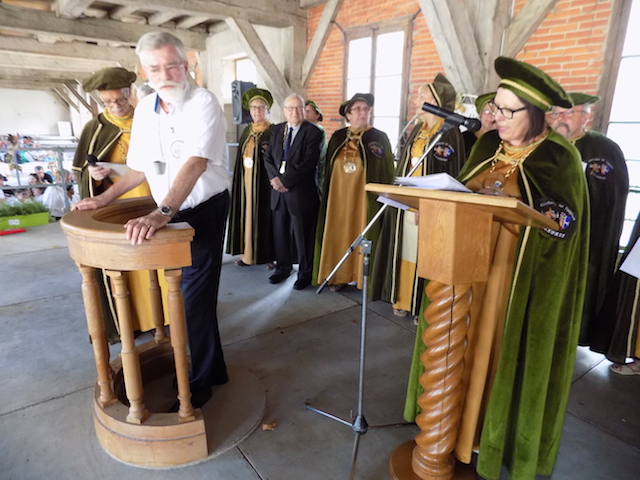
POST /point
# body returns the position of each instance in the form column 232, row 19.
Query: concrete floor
column 302, row 347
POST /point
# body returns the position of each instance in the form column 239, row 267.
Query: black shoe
column 301, row 284
column 279, row 276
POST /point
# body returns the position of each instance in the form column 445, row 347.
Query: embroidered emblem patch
column 442, row 151
column 264, row 146
column 376, row 149
column 562, row 215
column 599, row 168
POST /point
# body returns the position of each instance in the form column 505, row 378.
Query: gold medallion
column 414, row 161
column 494, row 184
column 350, row 167
column 248, row 162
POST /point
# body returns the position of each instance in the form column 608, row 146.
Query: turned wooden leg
column 130, row 361
column 447, row 317
column 157, row 313
column 95, row 326
column 179, row 343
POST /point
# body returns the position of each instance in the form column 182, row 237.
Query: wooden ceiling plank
column 70, row 8
column 159, row 18
column 40, row 62
column 89, row 29
column 122, row 11
column 191, row 21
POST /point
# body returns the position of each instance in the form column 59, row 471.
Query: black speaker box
column 240, row 115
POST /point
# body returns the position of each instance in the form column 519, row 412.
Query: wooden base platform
column 162, row 440
column 400, row 466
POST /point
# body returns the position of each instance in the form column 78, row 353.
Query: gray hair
column 155, row 40
column 295, row 95
column 126, row 91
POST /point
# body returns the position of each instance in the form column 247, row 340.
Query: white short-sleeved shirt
column 194, row 128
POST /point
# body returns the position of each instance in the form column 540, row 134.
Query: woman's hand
column 98, row 173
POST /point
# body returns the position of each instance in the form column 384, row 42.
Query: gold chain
column 515, row 155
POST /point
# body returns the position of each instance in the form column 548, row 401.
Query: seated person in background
column 3, row 195
column 20, row 196
column 42, row 176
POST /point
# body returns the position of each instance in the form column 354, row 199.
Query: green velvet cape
column 261, row 193
column 523, row 423
column 608, row 182
column 377, row 159
column 448, row 155
column 98, row 138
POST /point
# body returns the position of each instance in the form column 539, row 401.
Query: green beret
column 315, row 107
column 443, row 92
column 110, row 78
column 531, row 84
column 583, row 98
column 364, row 97
column 483, row 99
column 260, row 94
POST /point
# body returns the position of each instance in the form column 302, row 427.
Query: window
column 376, row 64
column 624, row 122
column 246, row 71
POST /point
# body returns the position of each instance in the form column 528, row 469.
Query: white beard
column 171, row 95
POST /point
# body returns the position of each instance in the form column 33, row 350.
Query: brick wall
column 568, row 45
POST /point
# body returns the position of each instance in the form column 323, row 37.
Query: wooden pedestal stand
column 453, row 252
column 131, row 433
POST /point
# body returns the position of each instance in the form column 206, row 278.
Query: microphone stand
column 359, row 424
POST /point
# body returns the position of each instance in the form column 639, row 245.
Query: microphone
column 471, row 124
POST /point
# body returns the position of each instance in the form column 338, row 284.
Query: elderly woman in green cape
column 395, row 271
column 250, row 216
column 525, row 320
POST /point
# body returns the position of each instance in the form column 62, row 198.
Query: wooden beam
column 60, row 92
column 320, row 36
column 41, row 62
column 311, row 3
column 70, row 8
column 120, row 55
column 159, row 18
column 276, row 13
column 121, row 11
column 489, row 19
column 191, row 21
column 258, row 53
column 26, row 85
column 17, row 19
column 616, row 33
column 526, row 22
column 30, row 74
column 453, row 35
column 56, row 96
column 73, row 88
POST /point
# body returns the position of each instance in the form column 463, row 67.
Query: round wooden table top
column 97, row 238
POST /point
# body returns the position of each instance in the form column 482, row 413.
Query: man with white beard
column 178, row 146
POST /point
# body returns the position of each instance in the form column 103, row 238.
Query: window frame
column 373, row 30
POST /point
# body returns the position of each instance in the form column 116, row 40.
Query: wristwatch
column 165, row 210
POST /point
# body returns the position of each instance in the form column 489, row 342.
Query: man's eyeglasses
column 172, row 67
column 505, row 112
column 291, row 109
column 122, row 101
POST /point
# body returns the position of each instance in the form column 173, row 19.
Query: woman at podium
column 525, row 320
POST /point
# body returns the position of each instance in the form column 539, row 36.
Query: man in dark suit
column 291, row 161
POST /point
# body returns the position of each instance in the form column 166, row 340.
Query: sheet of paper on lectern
column 392, row 203
column 436, row 181
column 118, row 168
column 631, row 264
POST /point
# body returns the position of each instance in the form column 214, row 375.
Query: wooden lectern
column 125, row 428
column 454, row 240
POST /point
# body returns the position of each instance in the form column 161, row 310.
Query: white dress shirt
column 193, row 128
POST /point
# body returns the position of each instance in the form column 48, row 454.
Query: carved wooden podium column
column 131, row 432
column 454, row 242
